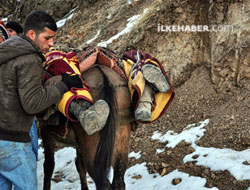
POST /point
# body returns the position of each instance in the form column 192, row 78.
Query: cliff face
column 138, row 24
column 18, row 9
column 229, row 52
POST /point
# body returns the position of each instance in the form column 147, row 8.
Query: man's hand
column 72, row 81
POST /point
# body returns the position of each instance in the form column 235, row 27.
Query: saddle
column 102, row 56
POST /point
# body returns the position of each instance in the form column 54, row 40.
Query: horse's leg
column 49, row 163
column 105, row 185
column 120, row 158
column 81, row 170
column 97, row 150
column 87, row 146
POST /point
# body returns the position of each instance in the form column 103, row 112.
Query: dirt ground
column 197, row 100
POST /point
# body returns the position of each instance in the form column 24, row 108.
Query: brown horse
column 98, row 152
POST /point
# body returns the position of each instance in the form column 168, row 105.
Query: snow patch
column 158, row 151
column 137, row 177
column 61, row 22
column 222, row 159
column 131, row 22
column 93, row 39
column 190, row 134
column 135, row 155
column 214, row 158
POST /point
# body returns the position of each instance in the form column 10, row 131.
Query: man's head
column 40, row 27
column 3, row 32
column 14, row 28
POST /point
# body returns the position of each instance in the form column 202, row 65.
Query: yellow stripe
column 161, row 100
column 74, row 59
column 84, row 93
column 66, row 96
column 154, row 62
column 63, row 102
column 49, row 62
column 127, row 66
column 73, row 66
column 53, row 51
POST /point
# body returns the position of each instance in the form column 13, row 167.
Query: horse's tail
column 105, row 147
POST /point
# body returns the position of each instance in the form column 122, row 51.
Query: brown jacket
column 22, row 94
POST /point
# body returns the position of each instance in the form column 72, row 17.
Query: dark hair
column 14, row 26
column 37, row 21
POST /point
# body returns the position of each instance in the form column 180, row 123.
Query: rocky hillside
column 210, row 70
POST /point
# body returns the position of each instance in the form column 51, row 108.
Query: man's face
column 45, row 40
column 11, row 32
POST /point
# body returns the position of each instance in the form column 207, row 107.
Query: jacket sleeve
column 33, row 95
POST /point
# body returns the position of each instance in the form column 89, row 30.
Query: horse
column 97, row 153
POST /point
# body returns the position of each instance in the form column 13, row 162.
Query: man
column 22, row 95
column 14, row 28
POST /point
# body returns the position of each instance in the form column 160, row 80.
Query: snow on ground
column 214, row 158
column 148, row 181
column 61, row 22
column 135, row 155
column 222, row 159
column 131, row 22
column 93, row 39
column 137, row 176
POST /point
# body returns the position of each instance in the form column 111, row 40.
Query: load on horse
column 132, row 93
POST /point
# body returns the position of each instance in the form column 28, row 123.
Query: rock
column 136, row 3
column 213, row 176
column 164, row 165
column 164, row 172
column 207, row 171
column 246, row 163
column 137, row 177
column 182, row 144
column 195, row 156
column 245, row 141
column 176, row 181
